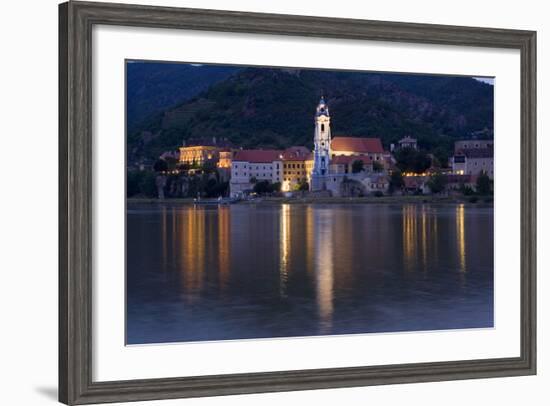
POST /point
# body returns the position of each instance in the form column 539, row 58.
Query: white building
column 258, row 164
column 473, row 157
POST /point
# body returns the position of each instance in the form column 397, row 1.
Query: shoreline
column 481, row 200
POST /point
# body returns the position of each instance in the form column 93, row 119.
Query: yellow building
column 297, row 167
column 225, row 158
column 200, row 151
column 199, row 154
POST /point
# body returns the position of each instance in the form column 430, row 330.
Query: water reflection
column 420, row 237
column 197, row 273
column 224, row 245
column 324, row 268
column 409, row 237
column 284, row 248
column 192, row 250
column 461, row 237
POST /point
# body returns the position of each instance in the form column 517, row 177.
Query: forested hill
column 155, row 86
column 273, row 108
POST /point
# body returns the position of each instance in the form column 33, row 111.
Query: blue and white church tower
column 321, row 151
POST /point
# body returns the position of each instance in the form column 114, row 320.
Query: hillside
column 153, row 87
column 273, row 108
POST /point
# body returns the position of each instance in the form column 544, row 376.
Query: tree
column 148, row 185
column 171, row 163
column 303, row 185
column 377, row 166
column 262, row 187
column 357, row 166
column 276, row 187
column 441, row 154
column 396, row 181
column 483, row 184
column 160, row 165
column 412, row 160
column 437, row 182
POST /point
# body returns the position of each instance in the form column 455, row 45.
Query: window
column 322, row 127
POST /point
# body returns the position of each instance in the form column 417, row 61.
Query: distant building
column 472, row 157
column 328, row 168
column 258, row 164
column 408, row 142
column 358, row 146
column 297, row 167
column 204, row 150
column 344, row 163
column 170, row 155
column 333, row 160
column 225, row 159
column 473, row 144
column 455, row 182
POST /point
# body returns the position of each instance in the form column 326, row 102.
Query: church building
column 333, row 156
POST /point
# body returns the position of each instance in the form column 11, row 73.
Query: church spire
column 322, row 108
column 321, row 142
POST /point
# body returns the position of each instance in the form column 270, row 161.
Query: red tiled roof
column 296, row 154
column 413, row 181
column 257, row 155
column 348, row 159
column 356, row 144
column 477, row 152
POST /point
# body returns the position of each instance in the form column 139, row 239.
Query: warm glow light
column 193, row 250
column 460, row 237
column 409, row 236
column 324, row 270
column 284, row 245
column 224, row 245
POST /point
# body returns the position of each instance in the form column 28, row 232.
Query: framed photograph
column 257, row 202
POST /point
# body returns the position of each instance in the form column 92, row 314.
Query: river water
column 260, row 271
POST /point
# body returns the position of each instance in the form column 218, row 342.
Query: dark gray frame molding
column 75, row 191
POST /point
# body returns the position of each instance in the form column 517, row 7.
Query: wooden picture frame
column 76, row 20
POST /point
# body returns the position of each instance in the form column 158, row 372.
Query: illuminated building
column 333, row 159
column 297, row 166
column 201, row 151
column 472, row 157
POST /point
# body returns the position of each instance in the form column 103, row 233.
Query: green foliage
column 412, row 160
column 160, row 165
column 171, row 163
column 483, row 184
column 262, row 187
column 378, row 193
column 437, row 183
column 357, row 166
column 141, row 183
column 396, row 181
column 377, row 166
column 247, row 107
column 441, row 154
column 303, row 186
column 466, row 190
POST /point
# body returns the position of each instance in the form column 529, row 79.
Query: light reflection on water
column 229, row 272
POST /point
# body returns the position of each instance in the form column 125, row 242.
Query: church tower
column 321, row 141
